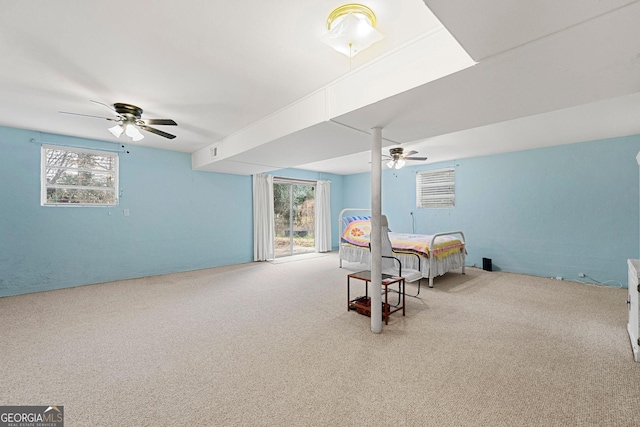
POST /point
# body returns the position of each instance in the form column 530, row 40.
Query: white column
column 376, row 212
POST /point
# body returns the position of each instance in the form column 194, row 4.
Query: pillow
column 357, row 233
column 348, row 219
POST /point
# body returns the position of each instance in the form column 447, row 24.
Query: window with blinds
column 436, row 189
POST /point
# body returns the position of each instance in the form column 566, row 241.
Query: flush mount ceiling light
column 351, row 29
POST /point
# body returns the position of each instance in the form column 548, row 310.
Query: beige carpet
column 267, row 344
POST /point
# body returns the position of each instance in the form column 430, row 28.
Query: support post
column 376, row 241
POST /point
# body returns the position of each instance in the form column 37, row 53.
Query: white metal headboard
column 340, row 225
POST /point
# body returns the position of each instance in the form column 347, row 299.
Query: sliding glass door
column 294, row 217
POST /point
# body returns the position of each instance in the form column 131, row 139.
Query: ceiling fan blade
column 157, row 131
column 411, row 153
column 163, row 122
column 89, row 115
column 416, row 158
column 110, row 107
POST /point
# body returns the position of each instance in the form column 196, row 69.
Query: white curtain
column 263, row 222
column 323, row 216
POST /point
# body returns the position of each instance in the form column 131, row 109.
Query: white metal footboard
column 432, row 253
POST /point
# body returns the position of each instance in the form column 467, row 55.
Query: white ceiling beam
column 424, row 59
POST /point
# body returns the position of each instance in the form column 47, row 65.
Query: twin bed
column 437, row 253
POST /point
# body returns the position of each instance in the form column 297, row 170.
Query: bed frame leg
column 462, row 269
column 431, row 281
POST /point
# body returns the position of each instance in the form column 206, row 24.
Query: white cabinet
column 634, row 311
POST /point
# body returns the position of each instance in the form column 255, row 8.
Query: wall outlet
column 581, row 275
column 125, row 212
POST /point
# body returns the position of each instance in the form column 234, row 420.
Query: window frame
column 444, row 194
column 291, row 182
column 44, row 186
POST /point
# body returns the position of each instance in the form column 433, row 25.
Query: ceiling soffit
column 427, row 58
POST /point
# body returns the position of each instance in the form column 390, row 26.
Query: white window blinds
column 436, row 189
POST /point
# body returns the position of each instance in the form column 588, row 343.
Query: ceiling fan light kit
column 116, row 130
column 132, row 132
column 395, row 164
column 129, row 129
column 351, row 29
column 397, row 157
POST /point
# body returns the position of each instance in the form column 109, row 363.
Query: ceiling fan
column 129, row 121
column 397, row 157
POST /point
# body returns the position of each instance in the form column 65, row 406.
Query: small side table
column 387, row 280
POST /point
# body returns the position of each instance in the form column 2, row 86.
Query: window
column 436, row 189
column 78, row 177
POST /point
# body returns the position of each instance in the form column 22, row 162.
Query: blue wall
column 179, row 219
column 556, row 211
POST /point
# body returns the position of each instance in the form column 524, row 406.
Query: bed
column 436, row 253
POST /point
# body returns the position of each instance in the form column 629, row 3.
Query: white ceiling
column 547, row 73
